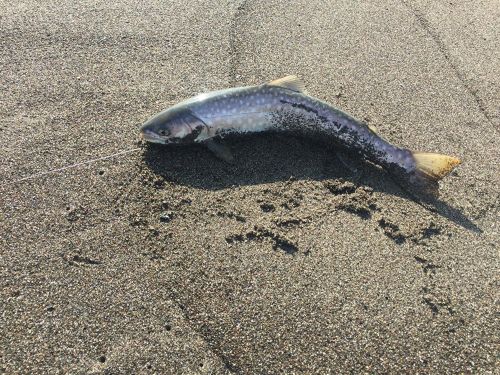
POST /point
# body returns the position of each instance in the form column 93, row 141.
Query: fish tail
column 429, row 169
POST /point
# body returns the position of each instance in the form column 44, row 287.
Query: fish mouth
column 152, row 137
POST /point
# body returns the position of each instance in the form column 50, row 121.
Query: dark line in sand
column 227, row 365
column 233, row 41
column 233, row 62
column 425, row 24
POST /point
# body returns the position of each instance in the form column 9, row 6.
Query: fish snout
column 150, row 135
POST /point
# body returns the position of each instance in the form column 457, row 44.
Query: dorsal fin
column 290, row 83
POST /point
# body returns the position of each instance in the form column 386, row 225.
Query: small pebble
column 166, row 217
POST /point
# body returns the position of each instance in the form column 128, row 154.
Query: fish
column 283, row 106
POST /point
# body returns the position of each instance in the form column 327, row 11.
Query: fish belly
column 240, row 123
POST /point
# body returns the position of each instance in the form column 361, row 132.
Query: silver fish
column 283, row 106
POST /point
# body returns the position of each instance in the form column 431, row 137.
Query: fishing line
column 57, row 170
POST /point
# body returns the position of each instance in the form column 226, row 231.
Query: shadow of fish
column 283, row 106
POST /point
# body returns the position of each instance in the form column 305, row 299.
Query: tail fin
column 435, row 166
column 430, row 168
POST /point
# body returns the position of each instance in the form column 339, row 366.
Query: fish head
column 175, row 125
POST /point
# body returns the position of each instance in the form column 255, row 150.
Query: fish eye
column 164, row 132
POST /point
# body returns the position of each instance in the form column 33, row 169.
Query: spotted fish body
column 282, row 106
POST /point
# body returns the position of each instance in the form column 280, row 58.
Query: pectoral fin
column 221, row 151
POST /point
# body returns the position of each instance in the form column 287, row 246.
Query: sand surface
column 171, row 261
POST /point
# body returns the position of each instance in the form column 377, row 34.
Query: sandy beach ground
column 170, row 261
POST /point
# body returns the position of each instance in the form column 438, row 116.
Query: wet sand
column 171, row 261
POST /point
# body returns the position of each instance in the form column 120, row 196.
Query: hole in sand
column 266, row 207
